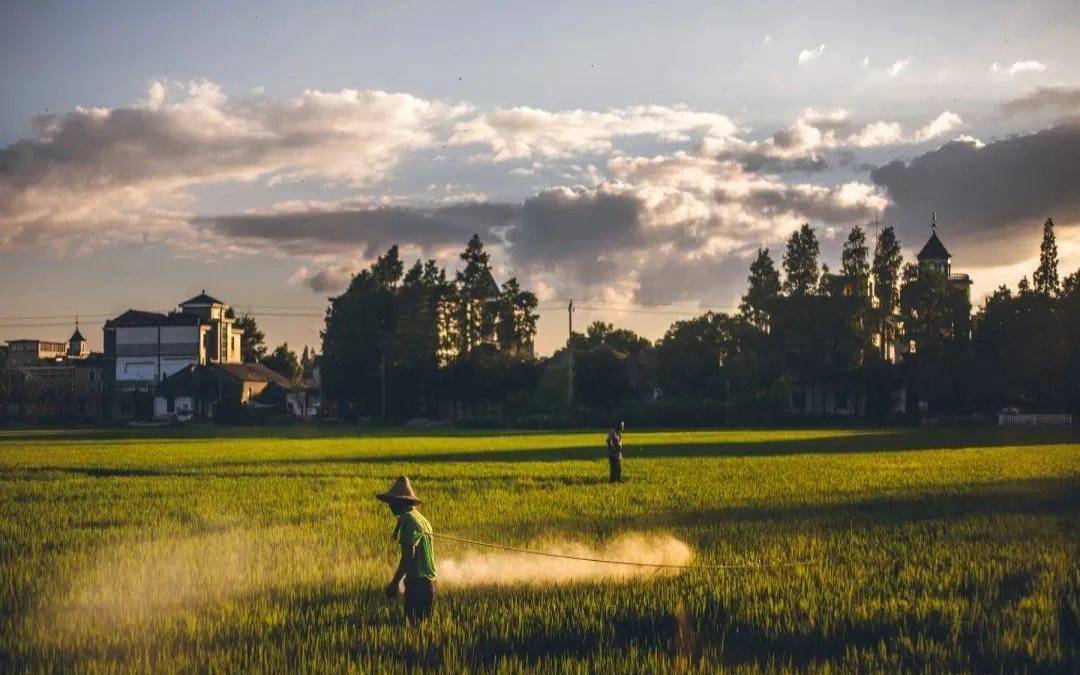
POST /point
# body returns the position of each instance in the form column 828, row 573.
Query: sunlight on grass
column 943, row 550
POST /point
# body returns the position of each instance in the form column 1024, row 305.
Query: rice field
column 263, row 550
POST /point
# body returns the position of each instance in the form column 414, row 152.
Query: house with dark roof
column 147, row 347
column 206, row 390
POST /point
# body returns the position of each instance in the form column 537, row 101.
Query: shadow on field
column 886, row 441
column 1044, row 496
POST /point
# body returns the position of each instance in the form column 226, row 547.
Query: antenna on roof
column 933, row 222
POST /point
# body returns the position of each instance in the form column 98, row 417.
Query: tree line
column 421, row 342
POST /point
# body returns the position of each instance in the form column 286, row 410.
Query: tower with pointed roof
column 77, row 345
column 934, row 255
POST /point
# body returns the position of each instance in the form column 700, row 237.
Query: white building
column 147, row 347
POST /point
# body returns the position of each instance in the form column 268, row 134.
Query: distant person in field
column 417, row 564
column 614, row 451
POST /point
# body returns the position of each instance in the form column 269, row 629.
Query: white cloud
column 810, row 53
column 942, row 124
column 898, row 66
column 866, row 62
column 877, row 134
column 815, row 133
column 1019, row 67
column 971, row 140
column 524, row 133
column 1026, row 67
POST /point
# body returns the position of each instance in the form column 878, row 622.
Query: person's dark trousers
column 419, row 598
column 615, row 461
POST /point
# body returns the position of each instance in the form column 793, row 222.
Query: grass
column 263, row 550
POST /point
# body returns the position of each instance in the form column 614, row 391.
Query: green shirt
column 415, row 530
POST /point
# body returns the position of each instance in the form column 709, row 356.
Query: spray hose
column 732, row 566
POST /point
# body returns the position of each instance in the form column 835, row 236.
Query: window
column 170, row 404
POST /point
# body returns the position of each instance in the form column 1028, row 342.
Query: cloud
column 810, row 53
column 897, row 67
column 987, row 196
column 528, row 133
column 610, row 240
column 356, row 231
column 665, row 212
column 767, row 40
column 1063, row 99
column 815, row 134
column 1019, row 67
column 106, row 174
column 940, row 125
column 865, row 62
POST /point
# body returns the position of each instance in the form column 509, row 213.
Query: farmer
column 417, row 564
column 614, row 451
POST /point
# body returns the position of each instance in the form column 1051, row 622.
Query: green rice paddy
column 263, row 550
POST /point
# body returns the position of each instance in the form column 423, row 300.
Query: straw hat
column 401, row 490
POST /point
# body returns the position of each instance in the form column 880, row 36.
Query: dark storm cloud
column 1058, row 99
column 581, row 231
column 983, row 195
column 369, row 230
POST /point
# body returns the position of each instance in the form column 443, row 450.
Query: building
column 217, row 390
column 30, row 352
column 934, row 256
column 148, row 347
column 935, row 262
column 78, row 348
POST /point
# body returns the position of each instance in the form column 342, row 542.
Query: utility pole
column 570, row 354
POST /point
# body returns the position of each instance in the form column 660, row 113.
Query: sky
column 631, row 156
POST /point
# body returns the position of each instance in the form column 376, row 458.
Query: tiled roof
column 137, row 317
column 252, row 372
column 202, row 299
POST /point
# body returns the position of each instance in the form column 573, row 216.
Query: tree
column 415, row 354
column 936, row 315
column 516, row 328
column 1046, row 276
column 853, row 261
column 855, row 269
column 478, row 296
column 763, row 289
column 283, row 361
column 824, row 281
column 886, row 269
column 252, row 342
column 605, row 364
column 359, row 326
column 801, row 262
column 692, row 355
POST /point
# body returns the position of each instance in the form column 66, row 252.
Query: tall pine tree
column 1046, row 276
column 854, row 263
column 801, row 262
column 764, row 288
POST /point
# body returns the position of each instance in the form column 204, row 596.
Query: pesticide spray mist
column 144, row 582
column 504, row 568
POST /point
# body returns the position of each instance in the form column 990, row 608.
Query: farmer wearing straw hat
column 417, row 564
